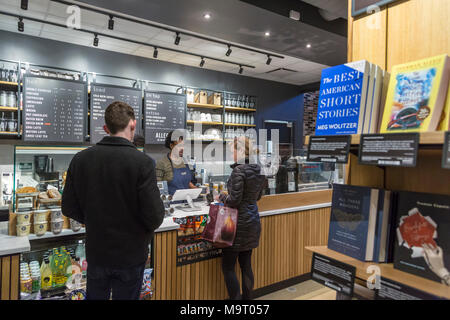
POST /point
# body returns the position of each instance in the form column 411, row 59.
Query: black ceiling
column 244, row 23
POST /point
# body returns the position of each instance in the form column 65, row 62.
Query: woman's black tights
column 228, row 268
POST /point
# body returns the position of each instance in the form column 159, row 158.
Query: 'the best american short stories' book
column 342, row 99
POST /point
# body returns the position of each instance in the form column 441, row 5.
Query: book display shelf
column 428, row 176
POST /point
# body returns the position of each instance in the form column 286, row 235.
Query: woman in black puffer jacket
column 245, row 187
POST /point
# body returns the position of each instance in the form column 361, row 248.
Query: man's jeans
column 125, row 284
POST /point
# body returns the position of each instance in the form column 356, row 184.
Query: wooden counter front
column 281, row 255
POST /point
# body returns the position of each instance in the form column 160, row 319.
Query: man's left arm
column 70, row 204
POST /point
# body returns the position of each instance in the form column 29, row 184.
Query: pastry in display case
column 39, row 178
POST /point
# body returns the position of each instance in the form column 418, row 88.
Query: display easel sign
column 360, row 7
column 333, row 274
column 391, row 149
column 393, row 290
column 446, row 152
column 329, row 148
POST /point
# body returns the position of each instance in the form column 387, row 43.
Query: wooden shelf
column 204, row 122
column 13, row 84
column 204, row 106
column 387, row 271
column 8, row 108
column 7, row 133
column 240, row 109
column 426, row 138
column 240, row 125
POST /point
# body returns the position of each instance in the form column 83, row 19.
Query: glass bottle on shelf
column 252, row 102
column 3, row 99
column 12, row 99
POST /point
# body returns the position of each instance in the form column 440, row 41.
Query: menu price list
column 54, row 110
column 102, row 96
column 164, row 112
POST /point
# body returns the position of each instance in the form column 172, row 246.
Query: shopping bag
column 220, row 227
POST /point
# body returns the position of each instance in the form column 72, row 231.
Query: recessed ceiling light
column 207, row 16
column 267, row 34
column 308, row 45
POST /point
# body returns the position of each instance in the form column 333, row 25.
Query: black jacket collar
column 116, row 141
column 234, row 165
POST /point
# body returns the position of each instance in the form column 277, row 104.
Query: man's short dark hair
column 169, row 140
column 118, row 115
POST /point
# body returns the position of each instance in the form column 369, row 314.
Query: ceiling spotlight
column 207, row 16
column 20, row 25
column 241, row 69
column 24, row 4
column 269, row 60
column 111, row 23
column 96, row 41
column 229, row 51
column 155, row 53
column 177, row 39
column 202, row 63
column 267, row 34
column 308, row 45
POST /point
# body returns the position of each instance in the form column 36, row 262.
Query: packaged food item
column 26, row 190
column 46, row 274
column 75, row 225
column 40, row 228
column 40, row 216
column 24, row 217
column 23, row 230
column 53, row 194
column 57, row 226
column 26, row 285
column 56, row 214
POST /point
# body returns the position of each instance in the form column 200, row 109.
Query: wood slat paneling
column 417, row 29
column 5, row 277
column 280, row 256
column 369, row 38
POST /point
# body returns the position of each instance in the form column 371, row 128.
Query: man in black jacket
column 111, row 188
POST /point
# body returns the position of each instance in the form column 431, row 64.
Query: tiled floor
column 307, row 290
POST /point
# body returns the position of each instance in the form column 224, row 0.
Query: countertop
column 12, row 245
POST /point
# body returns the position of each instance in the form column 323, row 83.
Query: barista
column 172, row 167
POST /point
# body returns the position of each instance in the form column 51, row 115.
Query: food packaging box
column 215, row 98
column 201, row 97
column 190, row 95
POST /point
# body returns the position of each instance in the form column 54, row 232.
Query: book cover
column 383, row 224
column 384, row 92
column 416, row 96
column 353, row 221
column 373, row 115
column 445, row 118
column 370, row 97
column 342, row 99
column 422, row 228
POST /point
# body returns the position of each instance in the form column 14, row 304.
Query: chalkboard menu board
column 54, row 110
column 164, row 112
column 102, row 95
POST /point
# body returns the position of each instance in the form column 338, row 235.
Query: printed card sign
column 446, row 152
column 332, row 149
column 333, row 274
column 398, row 150
column 393, row 290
